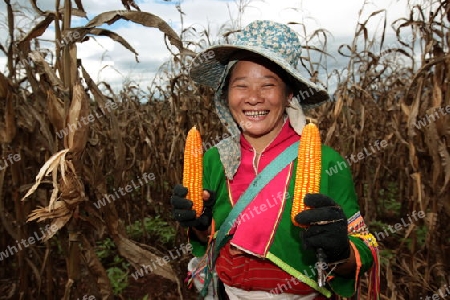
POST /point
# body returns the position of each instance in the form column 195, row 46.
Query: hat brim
column 207, row 69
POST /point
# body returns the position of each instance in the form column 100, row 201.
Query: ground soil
column 150, row 287
column 158, row 288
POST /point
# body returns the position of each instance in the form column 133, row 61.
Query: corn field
column 70, row 146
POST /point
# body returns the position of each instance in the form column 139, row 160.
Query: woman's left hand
column 326, row 227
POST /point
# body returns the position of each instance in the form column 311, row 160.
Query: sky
column 109, row 61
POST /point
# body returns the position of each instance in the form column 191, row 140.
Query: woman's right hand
column 182, row 208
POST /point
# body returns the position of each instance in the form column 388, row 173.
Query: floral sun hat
column 274, row 41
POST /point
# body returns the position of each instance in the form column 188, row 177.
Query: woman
column 258, row 253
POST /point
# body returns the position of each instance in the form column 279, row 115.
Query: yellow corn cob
column 193, row 169
column 307, row 178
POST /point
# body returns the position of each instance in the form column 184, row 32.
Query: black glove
column 326, row 227
column 183, row 212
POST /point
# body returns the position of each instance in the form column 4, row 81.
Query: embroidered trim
column 368, row 238
column 356, row 224
column 358, row 264
column 358, row 229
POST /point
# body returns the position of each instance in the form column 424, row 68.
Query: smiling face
column 257, row 99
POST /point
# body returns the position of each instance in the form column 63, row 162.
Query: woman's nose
column 254, row 96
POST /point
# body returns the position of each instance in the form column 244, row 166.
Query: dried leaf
column 48, row 139
column 4, row 87
column 48, row 167
column 72, row 61
column 34, row 5
column 94, row 218
column 412, row 117
column 62, row 166
column 58, row 223
column 55, row 188
column 25, row 119
column 55, row 111
column 143, row 18
column 432, row 145
column 68, row 289
column 140, row 257
column 96, row 269
column 412, row 156
column 431, row 221
column 119, row 148
column 78, row 129
column 418, row 188
column 74, row 12
column 10, row 120
column 80, row 34
column 79, row 5
column 41, row 214
column 39, row 60
column 130, row 3
column 443, row 152
column 38, row 30
column 8, row 132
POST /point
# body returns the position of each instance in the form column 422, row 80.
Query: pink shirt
column 254, row 228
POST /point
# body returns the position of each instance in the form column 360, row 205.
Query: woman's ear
column 289, row 99
column 289, row 92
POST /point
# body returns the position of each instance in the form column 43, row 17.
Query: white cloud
column 3, row 62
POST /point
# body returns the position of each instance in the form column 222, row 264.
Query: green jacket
column 287, row 251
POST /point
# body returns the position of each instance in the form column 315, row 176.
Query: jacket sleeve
column 214, row 180
column 337, row 177
column 198, row 247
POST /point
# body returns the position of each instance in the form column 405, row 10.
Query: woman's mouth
column 256, row 114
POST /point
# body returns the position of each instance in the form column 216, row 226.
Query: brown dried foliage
column 378, row 98
column 408, row 106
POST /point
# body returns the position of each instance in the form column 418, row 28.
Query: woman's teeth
column 255, row 113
